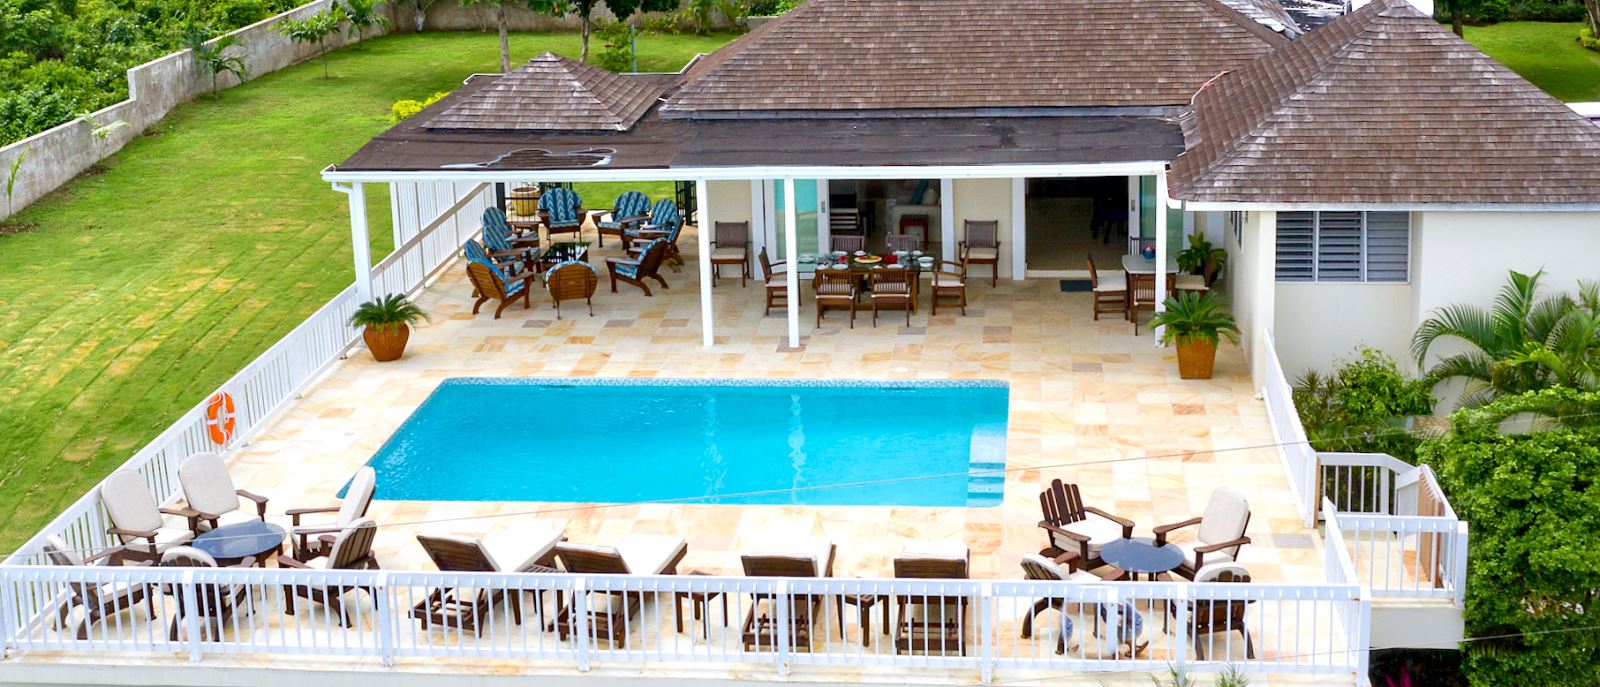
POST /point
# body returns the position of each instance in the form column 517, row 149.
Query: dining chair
column 1109, row 297
column 905, row 242
column 1141, row 297
column 835, row 290
column 891, row 288
column 848, row 243
column 982, row 246
column 950, row 281
column 732, row 247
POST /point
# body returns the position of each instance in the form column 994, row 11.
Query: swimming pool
column 731, row 442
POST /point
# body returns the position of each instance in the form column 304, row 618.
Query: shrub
column 1587, row 39
column 402, row 109
column 616, row 53
column 1362, row 406
column 1534, row 503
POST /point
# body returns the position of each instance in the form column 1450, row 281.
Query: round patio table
column 1135, row 557
column 231, row 544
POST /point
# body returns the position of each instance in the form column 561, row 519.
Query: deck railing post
column 383, row 602
column 191, row 614
column 986, row 632
column 580, row 622
column 1180, row 623
column 781, row 600
column 10, row 613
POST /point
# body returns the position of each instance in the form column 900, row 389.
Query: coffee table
column 1135, row 557
column 231, row 544
column 561, row 252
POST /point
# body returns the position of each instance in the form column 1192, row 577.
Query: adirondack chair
column 1072, row 527
column 631, row 210
column 665, row 222
column 635, row 270
column 561, row 211
column 571, row 281
column 494, row 219
column 491, row 282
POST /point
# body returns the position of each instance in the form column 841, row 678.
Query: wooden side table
column 699, row 600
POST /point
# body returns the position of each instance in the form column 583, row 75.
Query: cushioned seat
column 819, row 551
column 1190, row 282
column 1099, row 530
column 727, row 254
column 651, row 554
column 983, row 253
column 945, row 279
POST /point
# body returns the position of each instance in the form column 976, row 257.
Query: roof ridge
column 1238, row 16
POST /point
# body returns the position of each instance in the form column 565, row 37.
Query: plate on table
column 916, row 253
column 838, row 267
column 807, row 257
column 897, row 267
column 860, row 253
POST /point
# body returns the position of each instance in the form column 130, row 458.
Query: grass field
column 143, row 287
column 1547, row 54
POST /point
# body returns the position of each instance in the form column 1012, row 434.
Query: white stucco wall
column 1251, row 286
column 1319, row 323
column 729, row 201
column 985, row 199
column 1463, row 257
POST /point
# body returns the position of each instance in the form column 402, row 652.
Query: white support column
column 947, row 219
column 705, row 227
column 1161, row 247
column 359, row 242
column 790, row 238
column 758, row 220
column 1019, row 229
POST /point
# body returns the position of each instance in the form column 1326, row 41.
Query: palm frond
column 1470, row 324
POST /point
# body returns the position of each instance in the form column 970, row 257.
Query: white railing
column 1299, row 459
column 1339, row 568
column 783, row 623
column 279, row 374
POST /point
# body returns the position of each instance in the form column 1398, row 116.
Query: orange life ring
column 219, row 418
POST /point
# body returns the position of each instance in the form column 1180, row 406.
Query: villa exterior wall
column 1320, row 323
column 985, row 199
column 1252, row 252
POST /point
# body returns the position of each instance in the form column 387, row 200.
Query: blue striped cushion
column 512, row 287
column 627, row 269
column 474, row 251
column 561, row 205
column 632, row 204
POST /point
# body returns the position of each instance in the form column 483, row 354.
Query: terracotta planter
column 525, row 200
column 1195, row 359
column 386, row 345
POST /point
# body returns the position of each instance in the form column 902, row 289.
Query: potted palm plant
column 387, row 325
column 1200, row 255
column 1196, row 321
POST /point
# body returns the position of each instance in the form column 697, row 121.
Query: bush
column 1481, row 12
column 616, row 53
column 1587, row 39
column 1362, row 406
column 1534, row 503
column 403, row 109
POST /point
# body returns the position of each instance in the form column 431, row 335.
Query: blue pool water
column 734, row 442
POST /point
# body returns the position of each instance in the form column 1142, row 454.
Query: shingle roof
column 553, row 93
column 1383, row 106
column 1268, row 13
column 966, row 54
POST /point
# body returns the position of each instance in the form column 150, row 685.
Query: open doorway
column 878, row 208
column 1068, row 219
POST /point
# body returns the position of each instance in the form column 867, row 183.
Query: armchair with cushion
column 1072, row 527
column 209, row 491
column 777, row 281
column 665, row 223
column 982, row 246
column 631, row 210
column 635, row 270
column 353, row 507
column 1220, row 534
column 561, row 211
column 572, row 280
column 492, row 282
column 99, row 600
column 138, row 522
column 731, row 247
column 350, row 550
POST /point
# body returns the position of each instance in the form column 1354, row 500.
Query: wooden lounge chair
column 209, row 491
column 572, row 280
column 1037, row 567
column 1220, row 534
column 950, row 281
column 891, row 288
column 982, row 246
column 927, row 623
column 665, row 223
column 530, row 550
column 1110, row 296
column 1072, row 527
column 848, row 243
column 351, row 550
column 835, row 290
column 777, row 283
column 561, row 212
column 136, row 520
column 1210, row 616
column 357, row 499
column 492, row 283
column 636, row 554
column 99, row 600
column 635, row 270
column 630, row 210
column 809, row 558
column 215, row 603
column 732, row 247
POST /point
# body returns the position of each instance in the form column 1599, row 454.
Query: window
column 1344, row 246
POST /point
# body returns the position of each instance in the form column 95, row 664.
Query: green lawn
column 144, row 287
column 1545, row 53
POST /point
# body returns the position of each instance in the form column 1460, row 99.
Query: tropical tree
column 214, row 60
column 11, row 179
column 419, row 13
column 363, row 14
column 500, row 22
column 584, row 9
column 314, row 29
column 1524, row 342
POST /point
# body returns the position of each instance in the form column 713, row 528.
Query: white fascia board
column 1214, row 206
column 750, row 173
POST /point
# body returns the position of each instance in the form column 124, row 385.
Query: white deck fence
column 284, row 370
column 783, row 623
column 1403, row 536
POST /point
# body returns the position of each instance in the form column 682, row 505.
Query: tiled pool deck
column 1090, row 403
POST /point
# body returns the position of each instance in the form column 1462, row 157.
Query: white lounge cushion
column 942, row 549
column 523, row 547
column 129, row 502
column 651, row 554
column 1212, row 571
column 727, row 254
column 1099, row 530
column 207, row 486
column 983, row 253
column 358, row 497
column 1225, row 517
column 244, row 513
column 819, row 550
column 1213, row 557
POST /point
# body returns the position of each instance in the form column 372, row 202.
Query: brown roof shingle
column 968, row 54
column 553, row 93
column 1383, row 106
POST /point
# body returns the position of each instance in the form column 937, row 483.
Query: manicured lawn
column 1545, row 53
column 144, row 287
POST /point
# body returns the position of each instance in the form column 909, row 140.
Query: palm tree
column 1524, row 342
column 214, row 60
column 363, row 14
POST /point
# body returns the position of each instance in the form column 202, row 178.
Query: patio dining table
column 861, row 269
column 1137, row 264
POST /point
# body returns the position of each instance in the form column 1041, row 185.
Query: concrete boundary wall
column 57, row 155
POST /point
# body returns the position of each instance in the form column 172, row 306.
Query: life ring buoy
column 220, row 418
